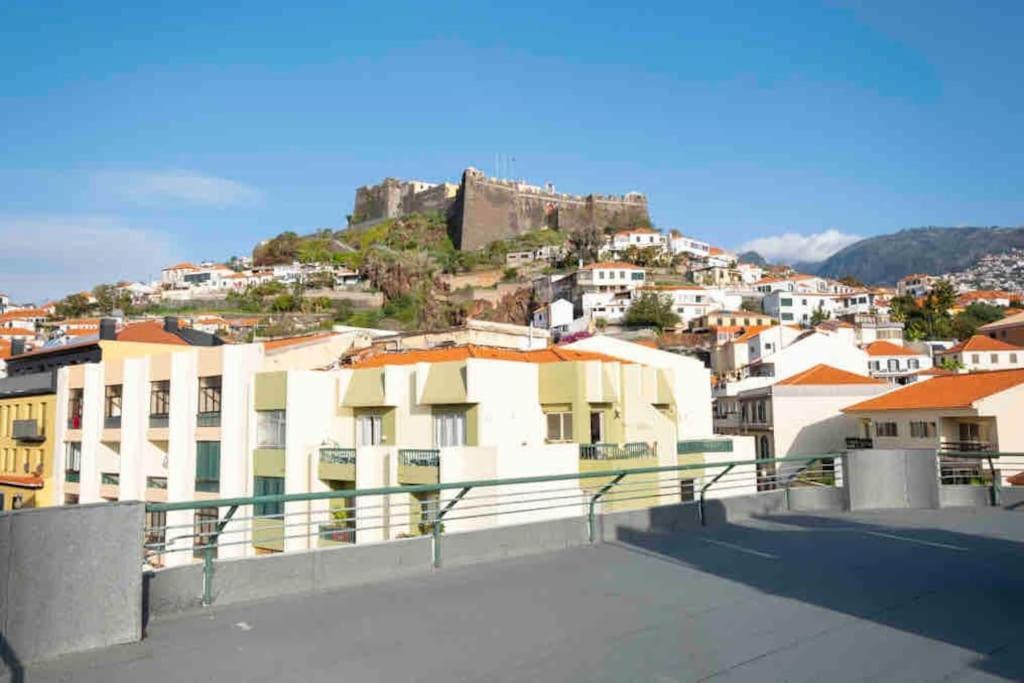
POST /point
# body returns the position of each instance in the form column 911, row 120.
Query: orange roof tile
column 184, row 265
column 149, row 333
column 552, row 354
column 887, row 348
column 752, row 332
column 946, row 392
column 24, row 314
column 284, row 342
column 632, row 231
column 980, row 342
column 5, row 348
column 716, row 251
column 936, row 372
column 28, row 482
column 822, row 375
column 16, row 332
column 611, row 265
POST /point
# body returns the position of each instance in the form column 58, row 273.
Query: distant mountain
column 887, row 258
column 753, row 258
column 805, row 266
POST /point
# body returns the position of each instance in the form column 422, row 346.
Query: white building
column 798, row 307
column 681, row 244
column 895, row 363
column 556, row 316
column 915, row 285
column 641, row 238
column 983, row 353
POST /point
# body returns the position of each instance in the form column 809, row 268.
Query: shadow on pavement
column 962, row 589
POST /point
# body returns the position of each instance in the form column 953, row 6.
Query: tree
column 752, row 305
column 585, row 243
column 950, row 363
column 73, row 306
column 653, row 310
column 284, row 303
column 851, row 281
column 967, row 322
column 819, row 316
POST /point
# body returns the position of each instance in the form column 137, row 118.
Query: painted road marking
column 244, row 626
column 916, row 540
column 740, row 548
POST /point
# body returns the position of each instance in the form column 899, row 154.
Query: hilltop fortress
column 480, row 210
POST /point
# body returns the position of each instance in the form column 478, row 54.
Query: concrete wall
column 70, row 580
column 886, row 479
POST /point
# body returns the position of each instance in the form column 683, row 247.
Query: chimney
column 108, row 328
column 170, row 324
column 17, row 347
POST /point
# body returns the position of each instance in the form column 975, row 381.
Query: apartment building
column 1010, row 329
column 691, row 302
column 800, row 415
column 641, row 238
column 977, row 411
column 681, row 244
column 798, row 283
column 895, row 363
column 732, row 319
column 983, row 353
column 798, row 307
column 26, row 441
column 915, row 285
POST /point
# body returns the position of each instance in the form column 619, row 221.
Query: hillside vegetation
column 887, row 258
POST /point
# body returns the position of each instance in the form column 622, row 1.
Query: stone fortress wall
column 481, row 209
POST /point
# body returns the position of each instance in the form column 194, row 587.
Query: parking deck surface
column 900, row 595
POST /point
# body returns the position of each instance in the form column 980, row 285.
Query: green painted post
column 704, row 490
column 591, row 516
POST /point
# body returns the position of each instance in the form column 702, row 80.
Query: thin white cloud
column 46, row 257
column 791, row 246
column 175, row 187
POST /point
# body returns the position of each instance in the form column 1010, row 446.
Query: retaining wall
column 879, row 479
column 70, row 580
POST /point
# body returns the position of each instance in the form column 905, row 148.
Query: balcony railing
column 73, row 476
column 611, row 451
column 858, row 443
column 966, row 447
column 338, row 456
column 419, row 457
column 75, row 421
column 337, row 532
column 112, row 422
column 703, row 446
column 158, row 421
column 110, row 478
column 208, row 419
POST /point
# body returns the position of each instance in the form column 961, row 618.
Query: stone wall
column 481, row 210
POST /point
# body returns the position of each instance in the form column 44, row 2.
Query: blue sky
column 132, row 137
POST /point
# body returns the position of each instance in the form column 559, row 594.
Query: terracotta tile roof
column 149, row 333
column 1010, row 320
column 552, row 354
column 185, row 265
column 28, row 482
column 617, row 265
column 637, row 231
column 887, row 348
column 82, row 331
column 826, row 375
column 24, row 314
column 1017, row 479
column 984, row 295
column 945, row 392
column 16, row 332
column 274, row 344
column 5, row 349
column 936, row 372
column 716, row 251
column 752, row 332
column 980, row 342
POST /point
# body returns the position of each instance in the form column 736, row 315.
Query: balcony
column 336, row 533
column 610, row 451
column 159, row 421
column 967, row 447
column 112, row 422
column 72, row 476
column 337, row 464
column 419, row 466
column 692, row 446
column 75, row 421
column 854, row 443
column 27, row 431
column 208, row 419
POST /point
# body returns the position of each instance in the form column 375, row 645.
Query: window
column 559, row 426
column 994, row 358
column 1013, row 358
column 622, row 274
column 785, row 302
column 268, row 486
column 686, row 490
column 449, row 428
column 874, row 365
column 638, row 276
column 922, row 429
column 970, row 431
column 156, row 536
column 894, row 364
column 72, row 461
column 596, row 426
column 159, row 398
column 75, row 409
column 975, row 358
column 209, row 395
column 760, row 412
column 787, row 316
column 112, row 406
column 208, row 466
column 270, row 428
column 886, row 429
column 369, row 430
column 205, row 528
column 745, row 414
column 600, row 275
column 913, row 363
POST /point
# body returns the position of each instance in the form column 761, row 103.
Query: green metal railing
column 419, row 457
column 611, row 451
column 632, row 487
column 338, row 456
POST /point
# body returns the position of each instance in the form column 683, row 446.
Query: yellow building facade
column 27, row 428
